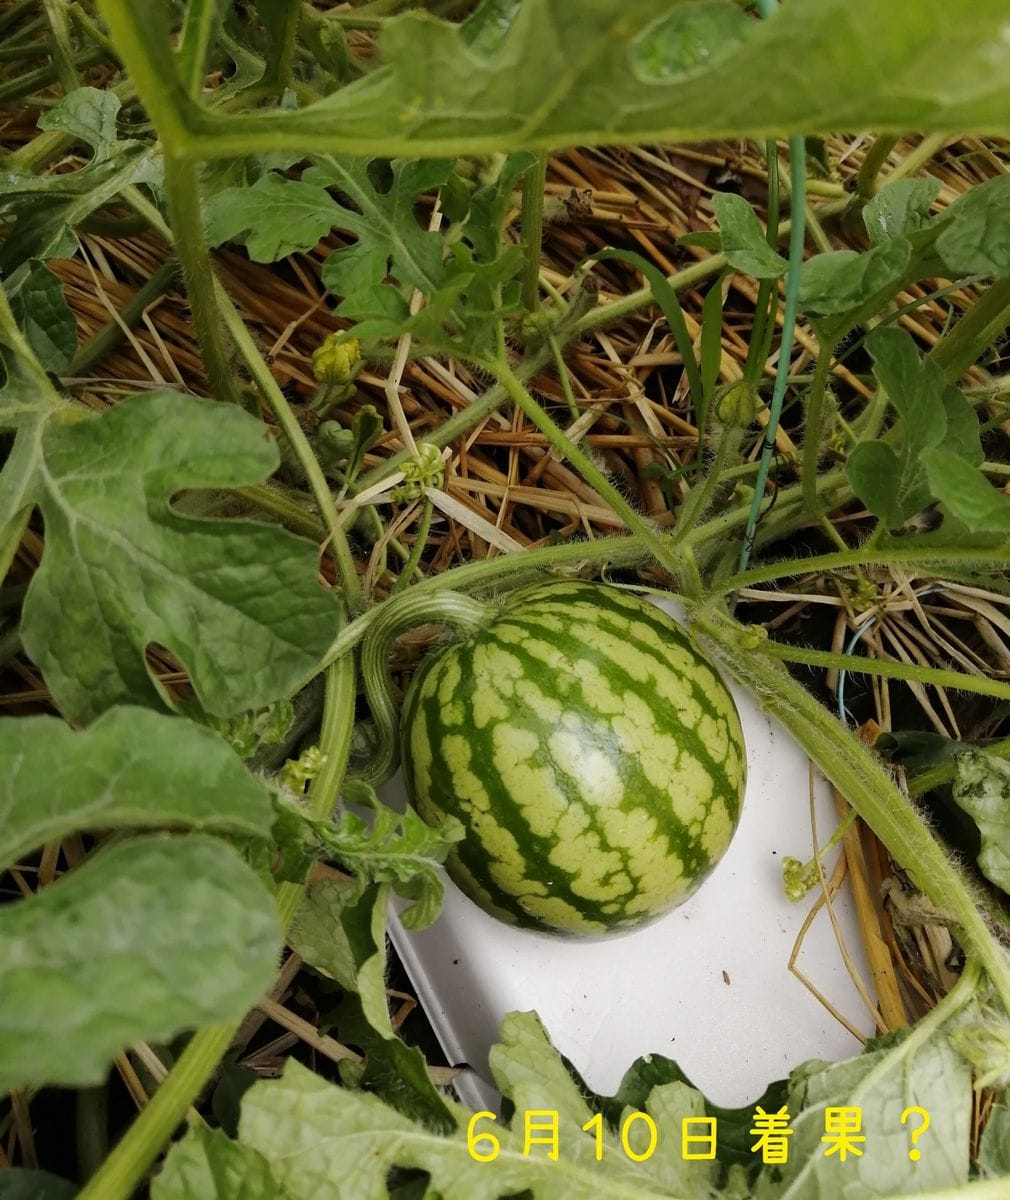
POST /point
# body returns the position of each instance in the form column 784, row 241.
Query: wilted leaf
column 147, row 938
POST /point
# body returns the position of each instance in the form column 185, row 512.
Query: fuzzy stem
column 957, row 350
column 798, row 179
column 814, row 428
column 62, row 46
column 451, row 609
column 862, row 780
column 623, row 551
column 299, row 443
column 420, row 541
column 122, row 1172
column 862, row 556
column 113, row 332
column 912, row 672
column 182, row 192
column 589, row 471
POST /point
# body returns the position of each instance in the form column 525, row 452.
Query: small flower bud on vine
column 423, row 472
column 337, row 360
column 297, row 772
column 797, row 877
column 334, row 443
column 736, row 404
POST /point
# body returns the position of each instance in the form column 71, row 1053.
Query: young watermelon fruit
column 595, row 760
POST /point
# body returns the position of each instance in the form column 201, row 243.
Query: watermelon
column 594, row 758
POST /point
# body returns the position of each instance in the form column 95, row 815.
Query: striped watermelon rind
column 595, row 759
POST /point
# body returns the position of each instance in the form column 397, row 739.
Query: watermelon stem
column 587, row 468
column 462, row 614
column 864, row 782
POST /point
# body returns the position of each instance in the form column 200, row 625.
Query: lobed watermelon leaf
column 910, row 64
column 237, row 601
column 118, row 950
column 306, row 1131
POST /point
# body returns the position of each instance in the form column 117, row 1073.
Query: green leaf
column 274, row 217
column 939, row 450
column 994, row 1145
column 236, row 601
column 45, row 318
column 147, row 938
column 667, row 299
column 982, row 789
column 48, row 208
column 396, row 847
column 20, row 1183
column 966, row 492
column 914, row 1067
column 574, row 72
column 87, row 114
column 206, row 1165
column 131, row 769
column 340, row 929
column 743, row 240
column 975, row 239
column 874, row 471
column 484, row 29
column 366, row 430
column 841, row 281
column 899, row 209
column 691, row 38
column 389, row 238
column 308, row 1131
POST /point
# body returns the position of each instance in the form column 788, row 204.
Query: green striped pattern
column 596, row 762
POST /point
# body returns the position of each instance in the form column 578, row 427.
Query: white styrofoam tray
column 707, row 985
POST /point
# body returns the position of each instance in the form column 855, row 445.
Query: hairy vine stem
column 124, row 1169
column 861, row 778
column 451, row 609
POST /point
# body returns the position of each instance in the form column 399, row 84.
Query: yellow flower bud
column 337, row 359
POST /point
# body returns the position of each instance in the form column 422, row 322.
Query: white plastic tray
column 708, row 985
